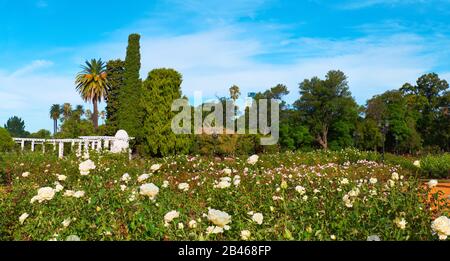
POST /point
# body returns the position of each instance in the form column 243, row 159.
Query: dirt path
column 444, row 187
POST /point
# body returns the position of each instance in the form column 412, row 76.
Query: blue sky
column 255, row 44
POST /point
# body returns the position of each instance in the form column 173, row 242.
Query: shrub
column 436, row 166
column 113, row 208
column 6, row 142
column 406, row 163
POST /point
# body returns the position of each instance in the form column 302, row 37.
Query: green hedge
column 6, row 142
column 436, row 166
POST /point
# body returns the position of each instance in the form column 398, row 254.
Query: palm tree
column 55, row 112
column 78, row 112
column 79, row 109
column 66, row 110
column 235, row 92
column 93, row 85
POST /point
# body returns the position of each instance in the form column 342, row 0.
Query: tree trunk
column 322, row 138
column 55, row 127
column 95, row 115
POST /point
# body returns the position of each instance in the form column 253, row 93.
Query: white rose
column 417, row 163
column 23, row 217
column 245, row 235
column 66, row 222
column 227, row 171
column 373, row 180
column 61, row 177
column 224, row 183
column 347, row 201
column 78, row 194
column 25, row 174
column 219, row 218
column 258, row 218
column 126, row 177
column 183, row 186
column 214, row 230
column 165, row 184
column 86, row 166
column 301, row 190
column 155, row 167
column 344, row 181
column 44, row 194
column 149, row 189
column 171, row 216
column 236, row 180
column 192, row 224
column 395, row 176
column 401, row 223
column 354, row 192
column 441, row 226
column 253, row 159
column 143, row 177
column 58, row 188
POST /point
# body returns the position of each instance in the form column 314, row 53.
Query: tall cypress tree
column 115, row 70
column 130, row 110
column 160, row 89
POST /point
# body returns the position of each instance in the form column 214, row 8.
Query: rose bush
column 290, row 196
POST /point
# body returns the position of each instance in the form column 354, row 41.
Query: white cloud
column 32, row 67
column 28, row 93
column 211, row 61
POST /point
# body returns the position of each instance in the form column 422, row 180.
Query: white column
column 106, row 145
column 43, row 147
column 61, row 150
column 22, row 144
column 93, row 145
column 99, row 145
column 79, row 148
column 32, row 145
column 54, row 145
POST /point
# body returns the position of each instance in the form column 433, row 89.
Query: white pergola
column 83, row 143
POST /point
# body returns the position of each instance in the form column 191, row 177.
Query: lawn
column 344, row 195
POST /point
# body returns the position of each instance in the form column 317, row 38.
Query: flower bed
column 289, row 196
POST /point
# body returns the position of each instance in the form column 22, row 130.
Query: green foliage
column 130, row 111
column 115, row 72
column 6, row 142
column 328, row 109
column 429, row 98
column 436, row 166
column 55, row 113
column 75, row 127
column 16, row 127
column 392, row 107
column 293, row 137
column 93, row 85
column 160, row 89
column 41, row 134
column 109, row 212
column 368, row 135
